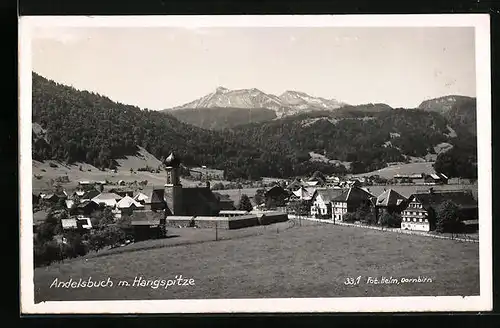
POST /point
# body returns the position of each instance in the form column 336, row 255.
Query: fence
column 456, row 237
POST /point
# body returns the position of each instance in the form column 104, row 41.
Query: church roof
column 172, row 160
column 198, row 201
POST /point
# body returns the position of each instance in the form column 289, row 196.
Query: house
column 78, row 223
column 145, row 224
column 155, row 200
column 295, row 185
column 86, row 207
column 436, row 178
column 79, row 193
column 53, row 197
column 410, row 178
column 312, row 183
column 276, row 196
column 321, row 201
column 127, row 205
column 390, row 201
column 349, row 201
column 107, row 199
column 421, row 212
column 225, row 202
column 122, row 192
column 141, row 198
column 268, row 180
column 89, row 195
column 303, row 193
column 70, row 204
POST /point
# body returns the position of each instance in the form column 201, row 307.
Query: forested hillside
column 77, row 125
column 222, row 118
column 87, row 127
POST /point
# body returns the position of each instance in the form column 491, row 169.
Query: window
column 419, row 220
column 414, row 220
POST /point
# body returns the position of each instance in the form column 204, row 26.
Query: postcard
column 255, row 164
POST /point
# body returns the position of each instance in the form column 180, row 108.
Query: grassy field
column 310, row 260
column 410, row 168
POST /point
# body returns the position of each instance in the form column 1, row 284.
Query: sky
column 163, row 67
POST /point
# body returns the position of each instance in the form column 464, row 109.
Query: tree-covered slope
column 73, row 125
column 222, row 118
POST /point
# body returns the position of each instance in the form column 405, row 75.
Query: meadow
column 296, row 260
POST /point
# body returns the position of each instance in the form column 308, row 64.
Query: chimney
column 208, row 184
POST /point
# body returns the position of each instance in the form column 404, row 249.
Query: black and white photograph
column 210, row 164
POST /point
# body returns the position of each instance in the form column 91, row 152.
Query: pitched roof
column 140, row 197
column 328, row 194
column 156, row 196
column 390, row 197
column 462, row 199
column 85, row 203
column 127, row 202
column 197, row 198
column 69, row 203
column 80, row 192
column 304, row 193
column 68, row 223
column 108, row 195
column 86, row 224
column 146, row 218
column 91, row 194
column 110, row 199
column 353, row 194
column 276, row 190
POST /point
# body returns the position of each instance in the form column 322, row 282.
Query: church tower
column 173, row 187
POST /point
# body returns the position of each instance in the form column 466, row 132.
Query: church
column 177, row 200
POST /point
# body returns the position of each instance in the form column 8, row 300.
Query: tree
column 391, row 220
column 349, row 217
column 259, row 197
column 299, row 207
column 365, row 214
column 46, row 253
column 245, row 204
column 448, row 217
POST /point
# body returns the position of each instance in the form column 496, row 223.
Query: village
column 105, row 215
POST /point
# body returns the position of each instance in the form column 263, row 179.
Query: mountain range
column 288, row 103
column 80, row 126
column 226, row 108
